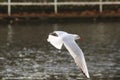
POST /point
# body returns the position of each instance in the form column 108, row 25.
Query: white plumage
column 59, row 38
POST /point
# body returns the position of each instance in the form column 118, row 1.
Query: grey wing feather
column 77, row 54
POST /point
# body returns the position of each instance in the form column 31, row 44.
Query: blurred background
column 25, row 25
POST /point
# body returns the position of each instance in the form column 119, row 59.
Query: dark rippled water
column 26, row 55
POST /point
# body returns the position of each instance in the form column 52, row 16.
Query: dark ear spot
column 54, row 34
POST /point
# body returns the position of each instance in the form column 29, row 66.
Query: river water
column 25, row 53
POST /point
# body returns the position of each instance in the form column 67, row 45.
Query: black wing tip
column 84, row 74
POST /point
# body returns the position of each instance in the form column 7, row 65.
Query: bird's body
column 59, row 38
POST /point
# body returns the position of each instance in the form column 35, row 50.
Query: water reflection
column 56, row 27
column 100, row 32
column 27, row 54
column 10, row 35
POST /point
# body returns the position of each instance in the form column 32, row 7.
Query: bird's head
column 54, row 34
column 55, row 39
column 58, row 33
column 61, row 33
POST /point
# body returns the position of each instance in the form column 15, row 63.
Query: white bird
column 59, row 38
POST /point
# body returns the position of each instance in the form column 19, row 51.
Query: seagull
column 60, row 38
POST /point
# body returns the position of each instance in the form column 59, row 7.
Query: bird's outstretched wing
column 77, row 54
column 55, row 41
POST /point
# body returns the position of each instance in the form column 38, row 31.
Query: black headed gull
column 59, row 38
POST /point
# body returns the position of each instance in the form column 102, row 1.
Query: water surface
column 25, row 53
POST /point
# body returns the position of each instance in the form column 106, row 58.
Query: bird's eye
column 54, row 34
